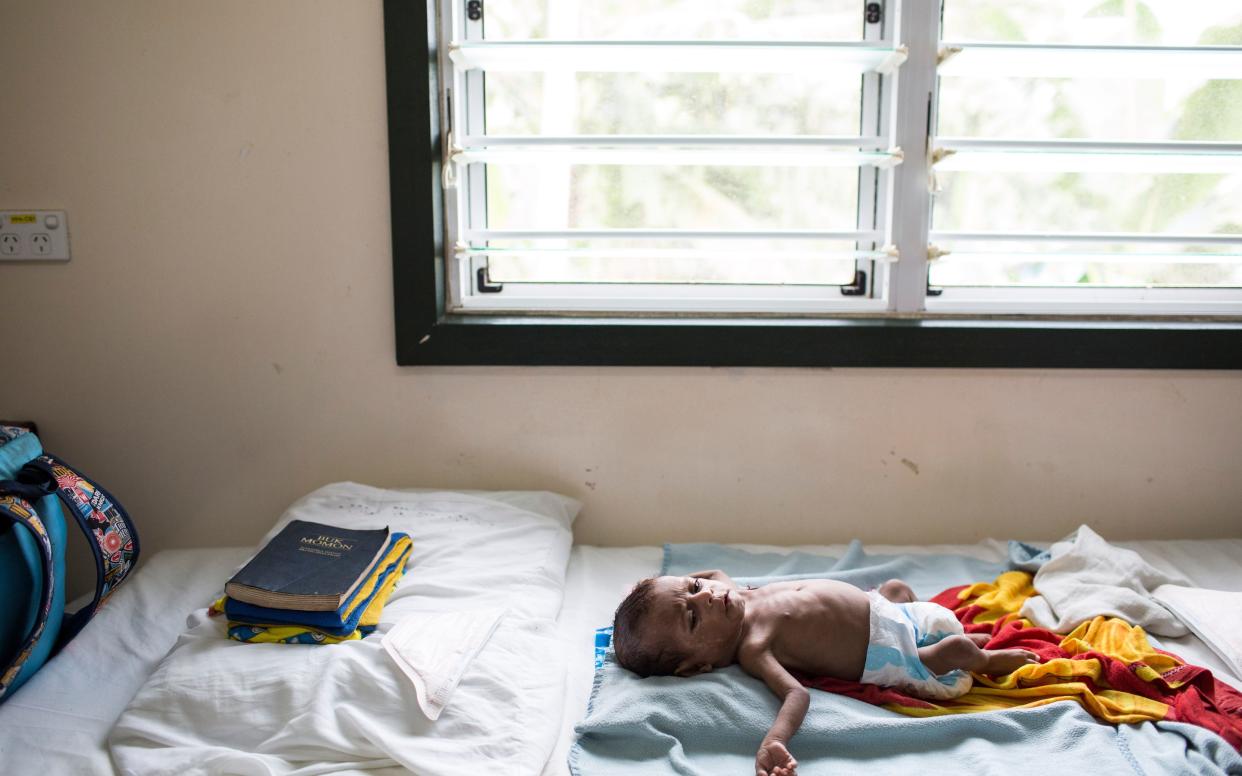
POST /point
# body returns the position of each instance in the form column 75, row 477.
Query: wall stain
column 279, row 369
column 911, row 465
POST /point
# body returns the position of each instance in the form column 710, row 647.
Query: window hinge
column 858, row 287
column 448, row 169
column 448, row 165
column 947, row 53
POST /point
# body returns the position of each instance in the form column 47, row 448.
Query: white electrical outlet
column 34, row 235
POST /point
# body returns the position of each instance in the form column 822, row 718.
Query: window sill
column 826, row 342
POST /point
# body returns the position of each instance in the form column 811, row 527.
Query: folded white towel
column 1215, row 616
column 1088, row 577
column 434, row 649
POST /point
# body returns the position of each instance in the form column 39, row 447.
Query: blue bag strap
column 108, row 528
column 18, row 510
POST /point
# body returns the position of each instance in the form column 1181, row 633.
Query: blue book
column 308, row 567
column 338, row 623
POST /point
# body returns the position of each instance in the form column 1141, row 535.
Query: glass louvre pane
column 695, row 56
column 1096, row 22
column 991, row 155
column 672, row 103
column 1089, row 202
column 1083, row 270
column 643, row 197
column 704, row 263
column 1098, row 202
column 1091, row 108
column 675, row 20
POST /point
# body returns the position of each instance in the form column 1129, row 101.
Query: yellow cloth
column 1062, row 678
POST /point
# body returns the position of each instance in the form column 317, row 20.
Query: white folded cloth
column 434, row 649
column 1215, row 616
column 1088, row 577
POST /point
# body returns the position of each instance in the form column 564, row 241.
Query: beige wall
column 223, row 339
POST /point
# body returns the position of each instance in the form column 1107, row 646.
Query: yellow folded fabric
column 1082, row 680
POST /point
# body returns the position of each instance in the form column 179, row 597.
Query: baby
column 819, row 627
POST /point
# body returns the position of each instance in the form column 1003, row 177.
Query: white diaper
column 897, row 632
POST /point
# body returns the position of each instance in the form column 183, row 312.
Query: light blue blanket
column 711, row 725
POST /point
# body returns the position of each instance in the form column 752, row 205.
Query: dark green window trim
column 426, row 334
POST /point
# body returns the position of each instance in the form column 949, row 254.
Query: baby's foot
column 1003, row 661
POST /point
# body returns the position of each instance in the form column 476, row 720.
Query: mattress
column 59, row 721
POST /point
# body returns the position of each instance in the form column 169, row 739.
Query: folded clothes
column 355, row 619
column 1086, row 576
column 290, row 634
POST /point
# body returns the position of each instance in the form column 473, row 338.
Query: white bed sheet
column 58, row 722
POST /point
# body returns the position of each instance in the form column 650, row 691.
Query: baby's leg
column 954, row 652
column 897, row 591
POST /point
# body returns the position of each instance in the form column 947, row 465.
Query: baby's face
column 699, row 618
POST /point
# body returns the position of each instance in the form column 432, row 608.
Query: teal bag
column 36, row 490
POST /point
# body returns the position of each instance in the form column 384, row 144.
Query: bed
column 61, row 721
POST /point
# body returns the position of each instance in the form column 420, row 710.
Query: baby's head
column 678, row 625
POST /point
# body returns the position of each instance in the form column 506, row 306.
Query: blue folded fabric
column 926, row 574
column 341, row 622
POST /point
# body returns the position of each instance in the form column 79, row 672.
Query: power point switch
column 34, row 235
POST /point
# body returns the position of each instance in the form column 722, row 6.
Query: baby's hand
column 775, row 760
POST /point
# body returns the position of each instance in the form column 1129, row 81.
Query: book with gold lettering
column 309, row 567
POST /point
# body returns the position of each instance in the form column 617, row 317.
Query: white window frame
column 894, row 238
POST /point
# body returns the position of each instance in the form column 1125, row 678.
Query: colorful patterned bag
column 35, row 489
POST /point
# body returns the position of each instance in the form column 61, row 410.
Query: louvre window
column 692, row 156
column 899, row 182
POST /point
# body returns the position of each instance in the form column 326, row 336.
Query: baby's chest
column 821, row 642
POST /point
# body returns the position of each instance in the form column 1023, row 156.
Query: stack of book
column 314, row 584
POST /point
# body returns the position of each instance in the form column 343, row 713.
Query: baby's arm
column 774, row 758
column 717, row 575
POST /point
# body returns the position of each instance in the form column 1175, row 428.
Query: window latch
column 858, row 287
column 474, row 10
column 483, row 283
